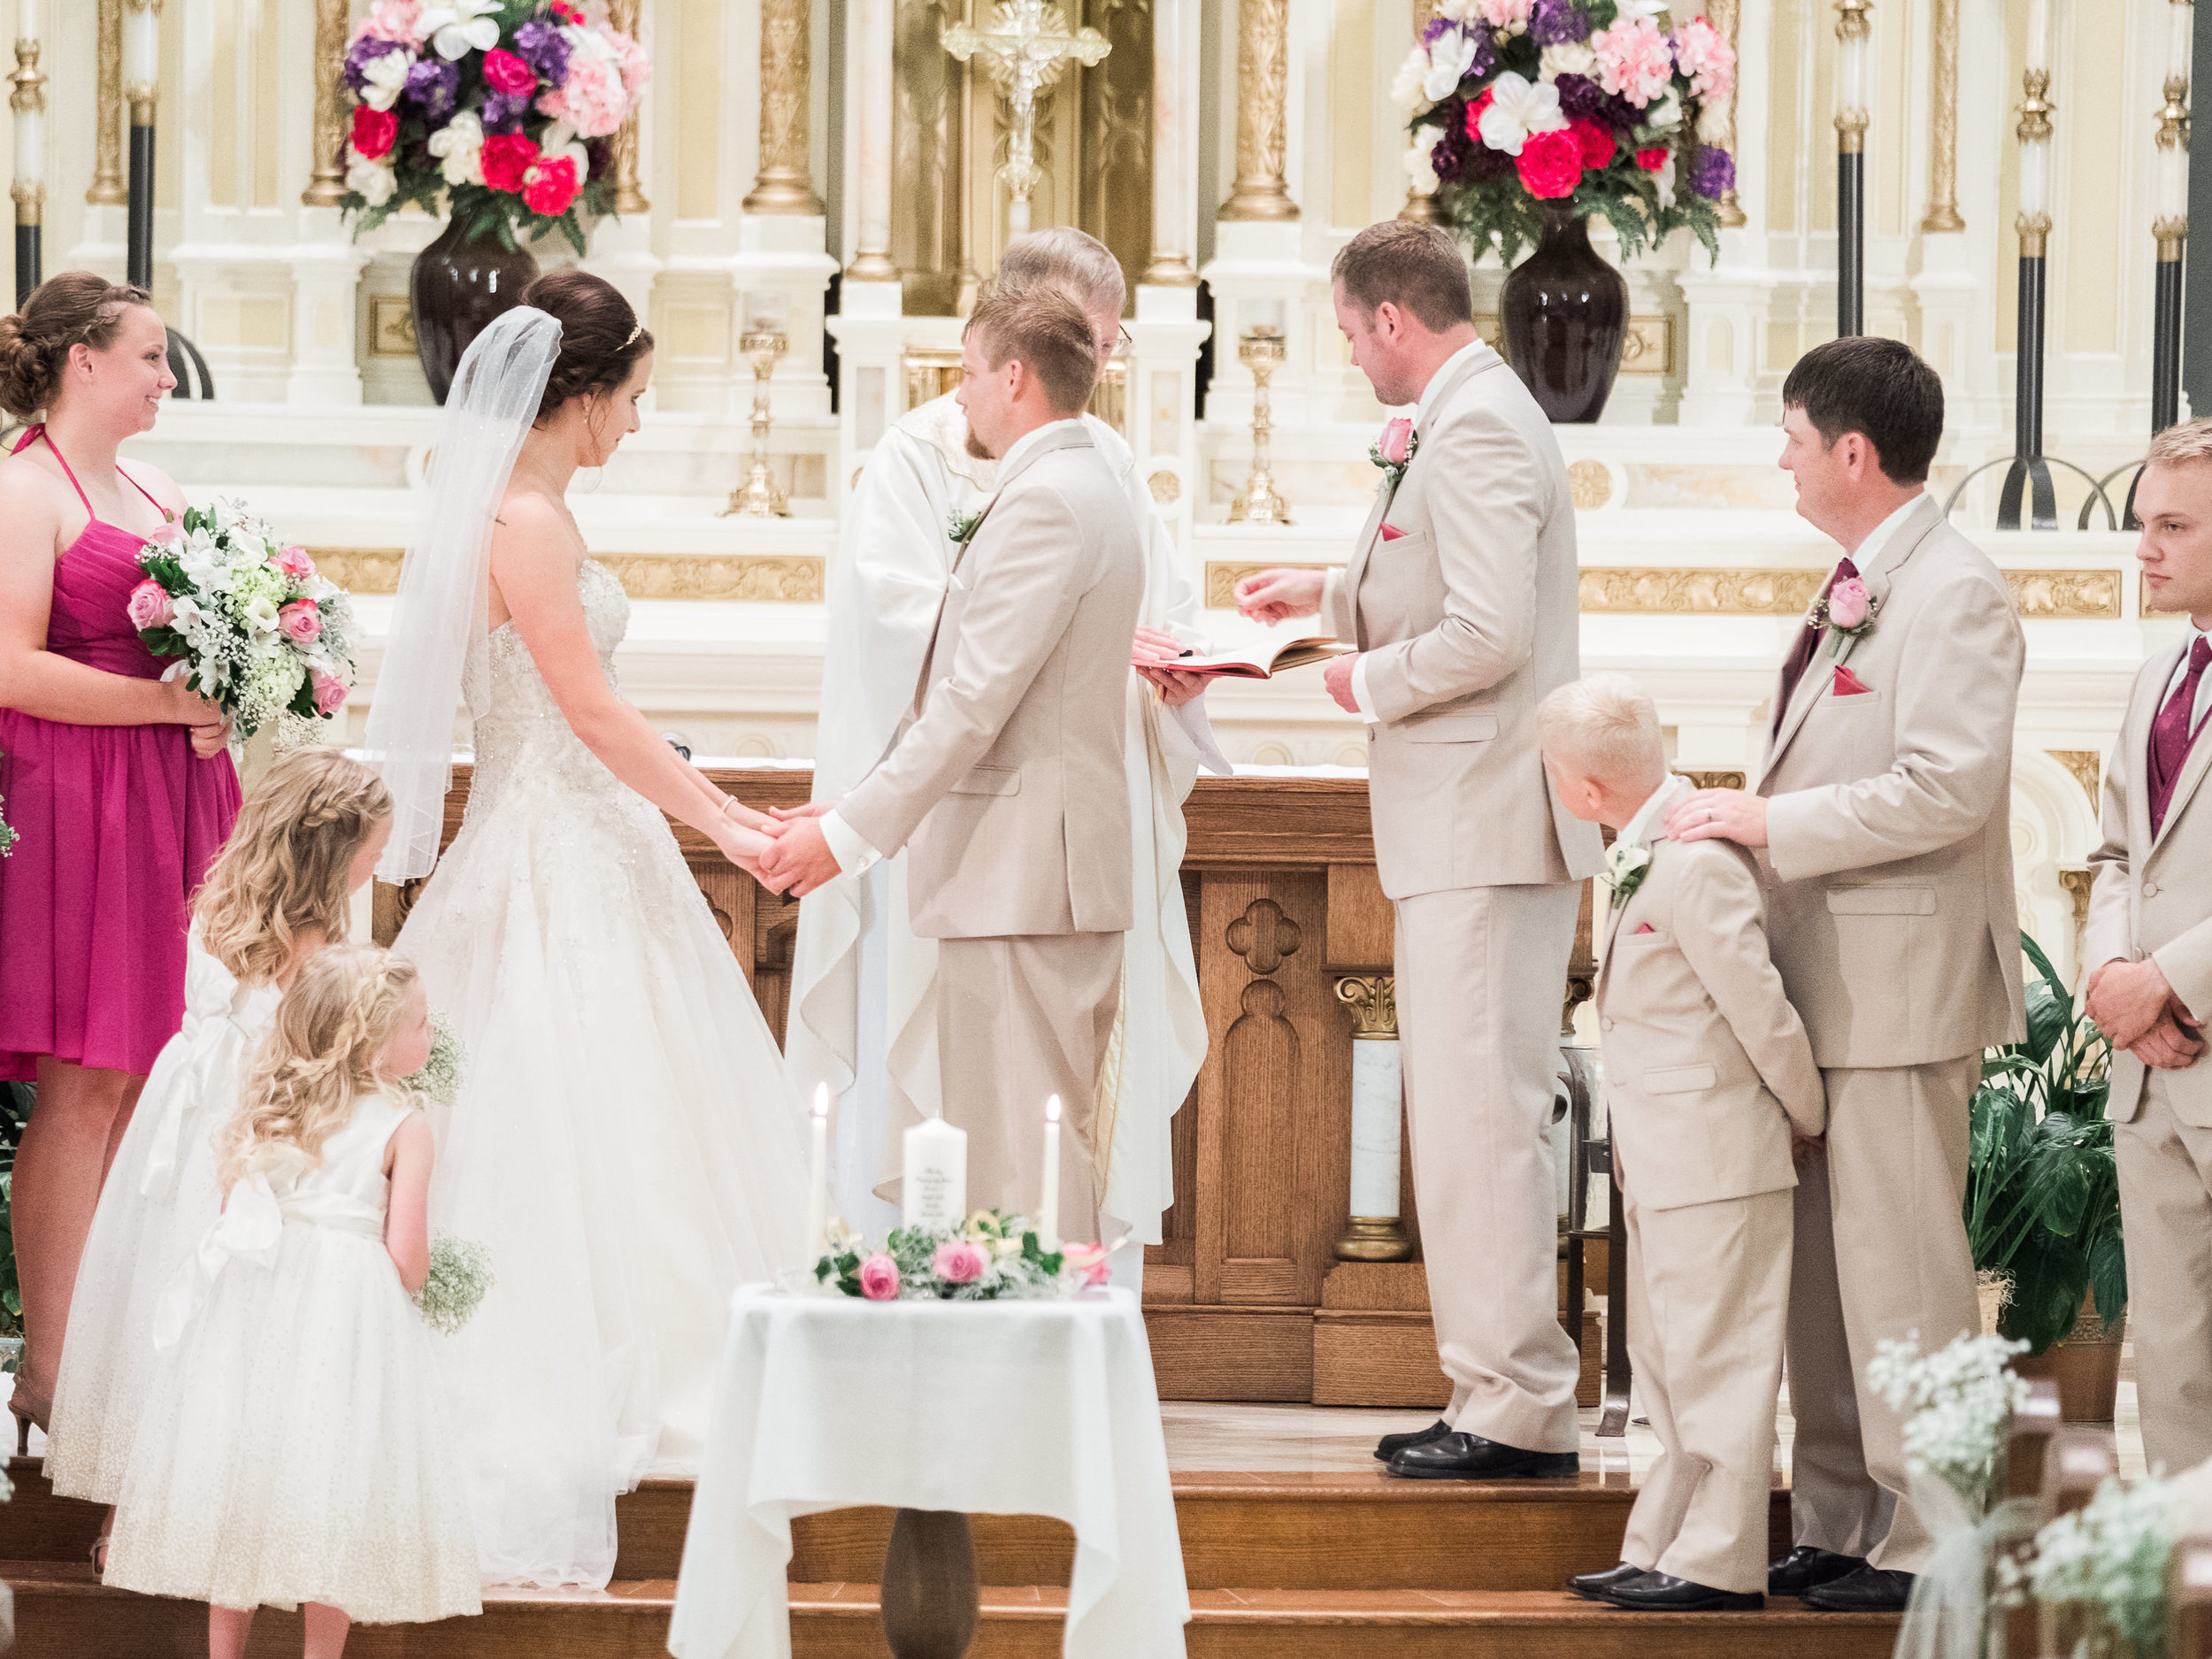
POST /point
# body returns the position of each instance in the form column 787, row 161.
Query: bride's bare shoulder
column 531, row 519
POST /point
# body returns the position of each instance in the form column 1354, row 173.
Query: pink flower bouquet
column 991, row 1256
column 1516, row 103
column 500, row 110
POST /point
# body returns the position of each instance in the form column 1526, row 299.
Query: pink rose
column 958, row 1262
column 300, row 621
column 149, row 606
column 879, row 1277
column 1396, row 440
column 163, row 536
column 637, row 67
column 1848, row 602
column 503, row 72
column 1550, row 164
column 330, row 691
column 294, row 561
column 1086, row 1261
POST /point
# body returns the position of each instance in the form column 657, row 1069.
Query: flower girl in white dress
column 307, row 838
column 294, row 1447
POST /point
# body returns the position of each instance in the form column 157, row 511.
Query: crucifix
column 1026, row 48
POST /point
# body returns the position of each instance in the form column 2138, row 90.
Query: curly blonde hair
column 326, row 1052
column 284, row 868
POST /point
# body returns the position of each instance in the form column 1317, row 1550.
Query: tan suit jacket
column 1706, row 1065
column 1467, row 619
column 2153, row 895
column 1008, row 784
column 1889, row 856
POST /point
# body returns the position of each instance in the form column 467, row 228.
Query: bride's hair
column 601, row 336
column 284, row 867
column 325, row 1053
column 75, row 308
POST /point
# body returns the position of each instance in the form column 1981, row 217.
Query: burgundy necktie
column 1800, row 657
column 2171, row 737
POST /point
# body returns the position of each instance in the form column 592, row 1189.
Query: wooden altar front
column 1246, row 1299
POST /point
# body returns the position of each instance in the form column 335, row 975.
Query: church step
column 59, row 1611
column 1292, row 1530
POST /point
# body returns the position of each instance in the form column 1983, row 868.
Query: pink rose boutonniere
column 1394, row 449
column 1848, row 608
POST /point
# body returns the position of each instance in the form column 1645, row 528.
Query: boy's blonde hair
column 284, row 868
column 1605, row 726
column 325, row 1053
column 2190, row 440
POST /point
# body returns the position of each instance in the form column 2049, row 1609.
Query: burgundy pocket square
column 1849, row 684
column 1391, row 533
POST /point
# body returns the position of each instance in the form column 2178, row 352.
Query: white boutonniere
column 1394, row 450
column 960, row 527
column 1626, row 866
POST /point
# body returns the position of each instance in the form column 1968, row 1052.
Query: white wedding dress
column 624, row 1143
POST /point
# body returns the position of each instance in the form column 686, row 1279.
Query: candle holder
column 758, row 498
column 1854, row 40
column 1263, row 350
column 28, row 102
column 142, row 58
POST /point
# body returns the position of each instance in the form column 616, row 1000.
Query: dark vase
column 1565, row 313
column 458, row 284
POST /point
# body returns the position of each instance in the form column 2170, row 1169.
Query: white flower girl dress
column 295, row 1446
column 160, row 1200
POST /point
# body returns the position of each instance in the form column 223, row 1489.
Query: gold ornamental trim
column 1724, row 15
column 1373, row 1002
column 2083, row 764
column 326, row 186
column 785, row 183
column 1260, row 191
column 628, row 198
column 2086, row 595
column 758, row 579
column 108, row 188
column 1943, row 135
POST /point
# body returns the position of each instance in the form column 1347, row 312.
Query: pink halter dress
column 117, row 826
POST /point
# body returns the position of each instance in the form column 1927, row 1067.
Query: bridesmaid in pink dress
column 120, row 783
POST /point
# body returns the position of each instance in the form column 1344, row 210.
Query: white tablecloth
column 1010, row 1408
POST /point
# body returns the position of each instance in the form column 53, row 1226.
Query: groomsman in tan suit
column 1709, row 1079
column 2149, row 950
column 1884, row 824
column 1006, row 787
column 1461, row 594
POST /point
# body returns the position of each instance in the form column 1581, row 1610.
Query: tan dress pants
column 2166, row 1217
column 1019, row 1019
column 1478, row 977
column 1881, row 1253
column 1709, row 1296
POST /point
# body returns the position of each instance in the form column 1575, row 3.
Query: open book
column 1262, row 662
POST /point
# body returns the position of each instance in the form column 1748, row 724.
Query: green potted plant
column 2043, row 1197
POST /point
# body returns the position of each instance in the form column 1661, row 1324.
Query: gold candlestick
column 1262, row 350
column 758, row 498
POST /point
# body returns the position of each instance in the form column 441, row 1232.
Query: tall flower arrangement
column 498, row 111
column 1514, row 104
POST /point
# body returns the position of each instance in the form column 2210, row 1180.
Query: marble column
column 1943, row 120
column 327, row 185
column 1175, row 113
column 1260, row 191
column 1376, row 1233
column 870, row 40
column 109, row 188
column 784, row 184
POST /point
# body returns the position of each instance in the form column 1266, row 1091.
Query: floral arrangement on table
column 459, row 1278
column 258, row 633
column 991, row 1256
column 499, row 111
column 1514, row 104
column 442, row 1074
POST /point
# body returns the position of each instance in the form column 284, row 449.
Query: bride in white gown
column 624, row 1143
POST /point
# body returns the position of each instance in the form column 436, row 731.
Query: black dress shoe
column 1592, row 1586
column 1391, row 1445
column 1806, row 1566
column 1455, row 1456
column 1869, row 1590
column 1662, row 1593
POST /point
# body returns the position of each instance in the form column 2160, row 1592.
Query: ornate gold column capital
column 1260, row 191
column 108, row 188
column 1373, row 999
column 785, row 183
column 326, row 186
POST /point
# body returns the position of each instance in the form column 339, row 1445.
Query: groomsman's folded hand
column 2129, row 999
column 1735, row 815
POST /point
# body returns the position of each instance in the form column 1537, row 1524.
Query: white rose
column 1419, row 166
column 374, row 179
column 387, row 78
column 1664, row 111
column 459, row 148
column 261, row 616
column 1449, row 59
column 1405, row 88
column 1567, row 57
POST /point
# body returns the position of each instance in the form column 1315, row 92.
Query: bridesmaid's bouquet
column 258, row 633
column 440, row 1076
column 460, row 1275
column 8, row 837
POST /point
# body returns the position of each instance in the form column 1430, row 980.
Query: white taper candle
column 141, row 48
column 2038, row 33
column 1049, row 1204
column 817, row 1177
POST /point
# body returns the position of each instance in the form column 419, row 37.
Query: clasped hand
column 797, row 859
column 1154, row 655
column 2135, row 1006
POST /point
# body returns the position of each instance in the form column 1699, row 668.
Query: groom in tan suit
column 1461, row 594
column 1006, row 785
column 2149, row 954
column 1884, row 825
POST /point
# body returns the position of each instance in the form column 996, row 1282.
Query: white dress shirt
column 847, row 845
column 1637, row 832
column 1877, row 538
column 1328, row 583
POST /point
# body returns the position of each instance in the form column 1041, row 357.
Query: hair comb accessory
column 635, row 330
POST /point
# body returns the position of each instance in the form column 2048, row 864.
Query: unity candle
column 1048, row 1203
column 935, row 1191
column 817, row 1178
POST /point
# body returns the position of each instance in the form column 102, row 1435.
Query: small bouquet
column 8, row 837
column 1513, row 104
column 258, row 632
column 1959, row 1400
column 2108, row 1562
column 459, row 1278
column 443, row 1072
column 502, row 111
column 993, row 1256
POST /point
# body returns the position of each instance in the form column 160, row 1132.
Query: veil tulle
column 440, row 621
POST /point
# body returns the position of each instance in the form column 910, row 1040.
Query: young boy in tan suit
column 1708, row 1077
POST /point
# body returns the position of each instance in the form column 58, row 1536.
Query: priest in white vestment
column 863, row 1011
